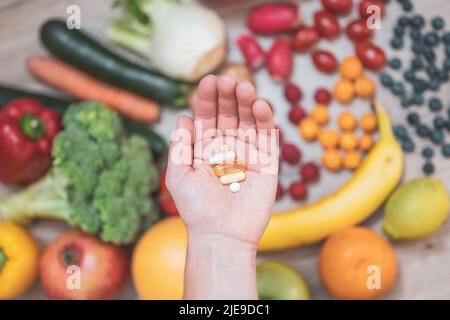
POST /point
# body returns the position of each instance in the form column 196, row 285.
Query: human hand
column 225, row 113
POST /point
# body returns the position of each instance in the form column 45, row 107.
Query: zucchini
column 156, row 142
column 85, row 53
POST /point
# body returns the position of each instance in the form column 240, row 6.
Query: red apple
column 79, row 266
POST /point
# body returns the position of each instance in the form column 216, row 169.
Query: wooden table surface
column 423, row 265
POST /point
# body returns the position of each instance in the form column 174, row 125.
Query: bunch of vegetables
column 100, row 181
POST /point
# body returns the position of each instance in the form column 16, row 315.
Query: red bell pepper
column 27, row 129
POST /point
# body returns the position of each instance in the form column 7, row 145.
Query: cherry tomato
column 372, row 56
column 365, row 4
column 337, row 6
column 304, row 38
column 357, row 30
column 324, row 61
column 326, row 24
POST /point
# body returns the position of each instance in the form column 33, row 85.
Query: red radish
column 298, row 190
column 326, row 24
column 279, row 60
column 372, row 56
column 309, row 172
column 305, row 38
column 293, row 93
column 269, row 18
column 291, row 153
column 296, row 114
column 280, row 192
column 365, row 8
column 322, row 96
column 165, row 200
column 324, row 61
column 357, row 30
column 251, row 50
column 337, row 6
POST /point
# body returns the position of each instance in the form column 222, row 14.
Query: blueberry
column 415, row 34
column 399, row 31
column 413, row 118
column 397, row 43
column 420, row 85
column 446, row 64
column 427, row 152
column 403, row 21
column 429, row 55
column 439, row 122
column 409, row 75
column 386, row 79
column 428, row 168
column 418, row 99
column 408, row 146
column 417, row 47
column 418, row 21
column 438, row 23
column 400, row 132
column 431, row 39
column 416, row 63
column 395, row 63
column 447, row 49
column 435, row 104
column 435, row 83
column 446, row 37
column 423, row 131
column 407, row 6
column 446, row 150
column 443, row 76
column 437, row 136
column 432, row 70
column 398, row 89
column 406, row 102
column 448, row 114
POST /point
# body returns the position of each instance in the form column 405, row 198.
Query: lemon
column 416, row 209
column 278, row 281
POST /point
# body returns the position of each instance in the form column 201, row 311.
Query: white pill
column 235, row 187
column 222, row 157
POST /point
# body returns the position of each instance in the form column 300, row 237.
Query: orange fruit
column 328, row 138
column 348, row 141
column 332, row 160
column 351, row 68
column 368, row 122
column 320, row 114
column 347, row 121
column 357, row 263
column 343, row 91
column 352, row 159
column 364, row 87
column 158, row 261
column 308, row 129
column 366, row 142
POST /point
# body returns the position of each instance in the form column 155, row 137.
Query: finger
column 263, row 116
column 180, row 151
column 227, row 119
column 205, row 109
column 246, row 95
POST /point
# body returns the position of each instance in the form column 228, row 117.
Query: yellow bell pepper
column 18, row 260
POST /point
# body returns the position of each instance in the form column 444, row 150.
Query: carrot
column 82, row 86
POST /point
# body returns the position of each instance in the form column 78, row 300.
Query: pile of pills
column 416, row 81
column 228, row 169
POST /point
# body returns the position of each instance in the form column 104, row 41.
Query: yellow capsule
column 233, row 177
column 224, row 169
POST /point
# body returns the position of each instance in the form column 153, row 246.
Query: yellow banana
column 352, row 203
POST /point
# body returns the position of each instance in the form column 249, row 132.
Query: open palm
column 225, row 113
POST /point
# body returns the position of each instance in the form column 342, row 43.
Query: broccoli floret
column 101, row 180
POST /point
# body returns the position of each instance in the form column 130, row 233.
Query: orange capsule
column 221, row 170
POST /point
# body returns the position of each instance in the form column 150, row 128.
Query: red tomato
column 357, row 30
column 324, row 61
column 304, row 38
column 326, row 24
column 372, row 56
column 337, row 6
column 365, row 4
column 165, row 200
